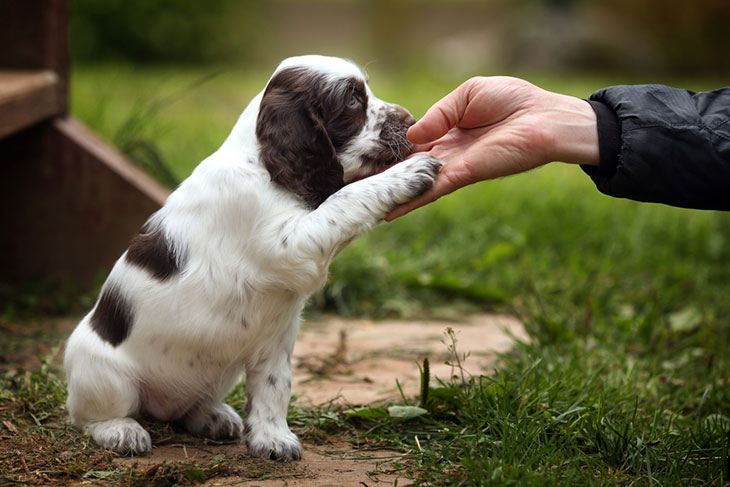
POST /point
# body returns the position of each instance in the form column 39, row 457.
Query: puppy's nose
column 402, row 115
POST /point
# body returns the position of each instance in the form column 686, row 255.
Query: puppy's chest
column 176, row 377
column 192, row 360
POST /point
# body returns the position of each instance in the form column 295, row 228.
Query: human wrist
column 609, row 135
column 574, row 131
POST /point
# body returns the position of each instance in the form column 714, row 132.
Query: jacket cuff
column 609, row 140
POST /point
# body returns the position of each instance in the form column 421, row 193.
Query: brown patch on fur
column 345, row 112
column 304, row 119
column 151, row 250
column 112, row 318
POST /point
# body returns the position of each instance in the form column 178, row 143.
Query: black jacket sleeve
column 664, row 145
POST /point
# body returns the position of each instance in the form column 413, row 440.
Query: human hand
column 496, row 126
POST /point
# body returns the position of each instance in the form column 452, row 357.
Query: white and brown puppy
column 214, row 283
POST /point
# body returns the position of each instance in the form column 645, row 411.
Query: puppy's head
column 319, row 127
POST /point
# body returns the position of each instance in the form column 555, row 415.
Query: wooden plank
column 94, row 147
column 69, row 204
column 34, row 36
column 26, row 97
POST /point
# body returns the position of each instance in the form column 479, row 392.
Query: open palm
column 493, row 127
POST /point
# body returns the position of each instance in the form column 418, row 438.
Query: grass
column 626, row 379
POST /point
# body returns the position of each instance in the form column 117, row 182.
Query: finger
column 441, row 117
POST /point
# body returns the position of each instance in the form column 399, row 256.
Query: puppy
column 214, row 283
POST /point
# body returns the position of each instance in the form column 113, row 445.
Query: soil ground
column 336, row 361
column 358, row 362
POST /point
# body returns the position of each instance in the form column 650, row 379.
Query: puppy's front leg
column 268, row 389
column 357, row 207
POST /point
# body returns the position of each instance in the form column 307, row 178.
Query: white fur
column 253, row 255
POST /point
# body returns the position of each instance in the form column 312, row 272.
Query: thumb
column 440, row 118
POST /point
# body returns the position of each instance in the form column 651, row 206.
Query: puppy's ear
column 293, row 142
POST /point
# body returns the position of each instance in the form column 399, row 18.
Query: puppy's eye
column 354, row 101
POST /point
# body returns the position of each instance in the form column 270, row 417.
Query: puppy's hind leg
column 216, row 421
column 122, row 435
column 100, row 400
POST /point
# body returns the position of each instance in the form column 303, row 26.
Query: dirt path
column 336, row 360
column 336, row 464
column 358, row 361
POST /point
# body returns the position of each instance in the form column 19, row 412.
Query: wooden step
column 26, row 97
column 69, row 204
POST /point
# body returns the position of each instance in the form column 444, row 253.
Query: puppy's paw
column 121, row 435
column 215, row 421
column 416, row 175
column 273, row 443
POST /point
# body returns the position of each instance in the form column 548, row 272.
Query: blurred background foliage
column 460, row 36
column 166, row 80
